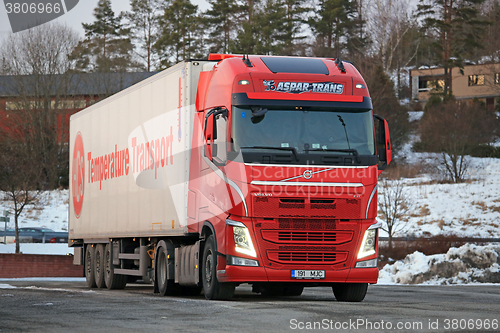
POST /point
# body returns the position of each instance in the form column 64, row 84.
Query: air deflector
column 295, row 65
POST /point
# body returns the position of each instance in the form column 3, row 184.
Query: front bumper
column 243, row 274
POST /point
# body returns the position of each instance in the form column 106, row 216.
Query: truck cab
column 286, row 174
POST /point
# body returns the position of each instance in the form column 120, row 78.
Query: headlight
column 242, row 240
column 368, row 244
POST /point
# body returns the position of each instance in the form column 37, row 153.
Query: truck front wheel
column 212, row 288
column 350, row 292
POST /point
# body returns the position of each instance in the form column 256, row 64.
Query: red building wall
column 38, row 265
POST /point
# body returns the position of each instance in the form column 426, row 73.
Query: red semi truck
column 236, row 169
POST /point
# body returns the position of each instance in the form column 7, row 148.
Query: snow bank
column 468, row 264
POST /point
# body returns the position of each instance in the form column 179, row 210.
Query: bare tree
column 394, row 203
column 388, row 23
column 19, row 178
column 40, row 88
column 454, row 129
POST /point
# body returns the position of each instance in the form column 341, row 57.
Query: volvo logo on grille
column 307, row 174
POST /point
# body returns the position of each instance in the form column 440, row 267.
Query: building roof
column 73, row 84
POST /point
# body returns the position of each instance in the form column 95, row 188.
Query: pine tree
column 144, row 25
column 491, row 38
column 246, row 39
column 270, row 28
column 223, row 22
column 455, row 27
column 332, row 24
column 107, row 46
column 385, row 102
column 295, row 13
column 178, row 36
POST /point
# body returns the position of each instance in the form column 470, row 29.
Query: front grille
column 340, row 208
column 296, row 257
column 311, row 237
column 313, row 224
column 313, row 243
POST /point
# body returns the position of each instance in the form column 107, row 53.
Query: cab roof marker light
column 360, row 86
column 244, row 82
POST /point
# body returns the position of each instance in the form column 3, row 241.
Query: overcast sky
column 82, row 13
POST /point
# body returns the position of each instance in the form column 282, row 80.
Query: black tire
column 293, row 290
column 164, row 263
column 272, row 290
column 99, row 266
column 191, row 291
column 89, row 266
column 112, row 280
column 212, row 288
column 350, row 292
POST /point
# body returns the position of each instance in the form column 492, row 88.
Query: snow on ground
column 469, row 209
column 52, row 279
column 37, row 248
column 464, row 265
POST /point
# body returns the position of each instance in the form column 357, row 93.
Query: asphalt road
column 41, row 306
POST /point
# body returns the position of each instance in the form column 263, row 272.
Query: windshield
column 304, row 130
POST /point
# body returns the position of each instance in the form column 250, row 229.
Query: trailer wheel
column 213, row 289
column 112, row 280
column 163, row 264
column 350, row 292
column 89, row 266
column 99, row 266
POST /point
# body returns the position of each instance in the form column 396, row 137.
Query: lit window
column 497, row 78
column 80, row 104
column 68, row 104
column 12, row 106
column 476, row 80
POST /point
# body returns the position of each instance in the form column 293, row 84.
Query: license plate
column 307, row 274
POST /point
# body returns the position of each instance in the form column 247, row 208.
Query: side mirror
column 383, row 142
column 215, row 135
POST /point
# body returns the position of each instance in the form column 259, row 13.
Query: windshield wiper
column 353, row 151
column 345, row 130
column 292, row 149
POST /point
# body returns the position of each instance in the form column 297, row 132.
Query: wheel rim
column 107, row 264
column 88, row 264
column 208, row 269
column 98, row 263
